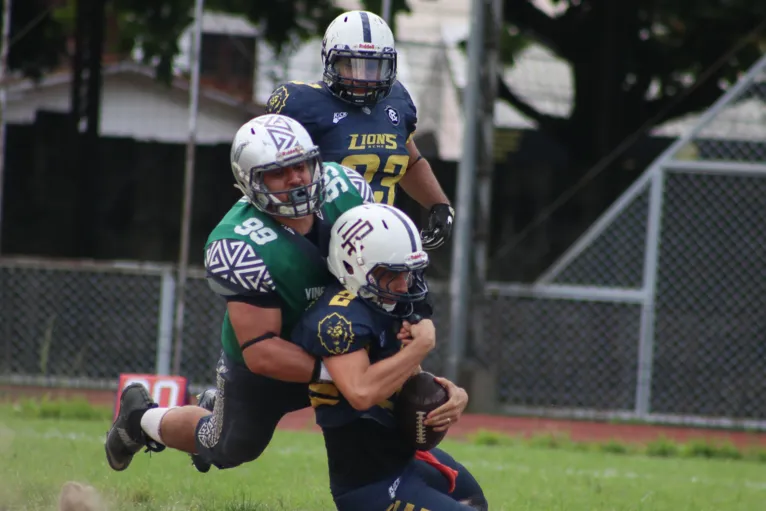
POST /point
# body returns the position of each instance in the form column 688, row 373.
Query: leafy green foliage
column 633, row 59
column 156, row 26
column 37, row 38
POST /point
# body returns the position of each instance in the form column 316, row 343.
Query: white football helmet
column 359, row 57
column 272, row 142
column 372, row 244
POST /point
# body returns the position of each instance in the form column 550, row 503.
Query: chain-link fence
column 658, row 310
column 84, row 323
column 76, row 321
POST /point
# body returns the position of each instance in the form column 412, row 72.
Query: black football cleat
column 205, row 400
column 125, row 438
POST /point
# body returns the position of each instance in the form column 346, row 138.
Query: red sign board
column 166, row 391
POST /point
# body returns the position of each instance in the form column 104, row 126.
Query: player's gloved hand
column 439, row 229
column 424, row 309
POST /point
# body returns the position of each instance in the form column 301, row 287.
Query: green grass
column 41, row 449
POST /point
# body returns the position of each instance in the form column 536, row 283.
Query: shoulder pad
column 410, row 110
column 288, row 97
column 343, row 324
column 313, row 85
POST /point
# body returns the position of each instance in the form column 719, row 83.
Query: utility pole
column 473, row 204
column 86, row 112
column 6, row 31
column 186, row 212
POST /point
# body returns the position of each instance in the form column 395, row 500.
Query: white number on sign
column 166, row 393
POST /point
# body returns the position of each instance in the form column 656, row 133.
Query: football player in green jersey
column 266, row 258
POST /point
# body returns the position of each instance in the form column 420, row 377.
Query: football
column 420, row 394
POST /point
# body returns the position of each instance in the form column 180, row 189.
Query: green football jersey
column 251, row 255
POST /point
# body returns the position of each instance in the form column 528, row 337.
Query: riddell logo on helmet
column 290, row 152
column 416, row 260
column 366, row 46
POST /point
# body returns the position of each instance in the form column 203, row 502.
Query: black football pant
column 248, row 408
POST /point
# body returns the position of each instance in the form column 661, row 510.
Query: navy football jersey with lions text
column 371, row 140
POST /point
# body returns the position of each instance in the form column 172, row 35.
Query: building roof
column 135, row 105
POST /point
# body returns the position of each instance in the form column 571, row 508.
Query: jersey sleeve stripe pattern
column 236, row 263
column 360, row 184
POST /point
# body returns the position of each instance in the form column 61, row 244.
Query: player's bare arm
column 364, row 384
column 419, row 182
column 266, row 353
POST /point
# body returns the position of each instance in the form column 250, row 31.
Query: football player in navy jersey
column 363, row 118
column 364, row 329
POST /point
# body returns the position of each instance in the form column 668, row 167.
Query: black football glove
column 440, row 220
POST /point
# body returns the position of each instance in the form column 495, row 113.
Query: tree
column 156, row 25
column 37, row 40
column 618, row 50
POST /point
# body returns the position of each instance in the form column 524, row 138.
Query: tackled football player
column 364, row 330
column 266, row 258
column 362, row 117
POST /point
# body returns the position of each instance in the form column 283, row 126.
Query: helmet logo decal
column 281, row 132
column 392, row 114
column 351, row 234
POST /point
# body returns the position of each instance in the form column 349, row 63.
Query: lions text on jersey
column 372, row 140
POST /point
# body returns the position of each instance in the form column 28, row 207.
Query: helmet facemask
column 378, row 280
column 295, row 202
column 362, row 78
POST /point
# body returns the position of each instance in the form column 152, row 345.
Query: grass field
column 38, row 455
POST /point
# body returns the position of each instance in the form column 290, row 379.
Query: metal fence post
column 165, row 322
column 6, row 30
column 462, row 248
column 188, row 189
column 651, row 261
